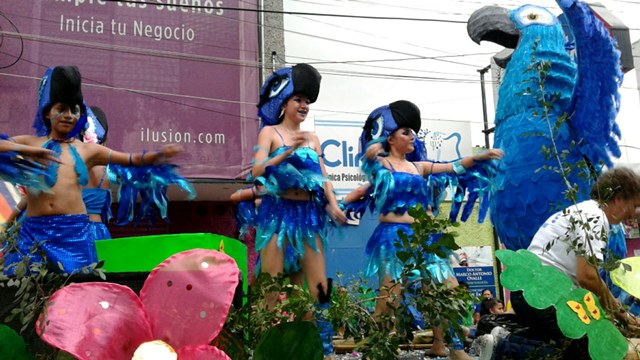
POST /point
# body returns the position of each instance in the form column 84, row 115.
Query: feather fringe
column 17, row 170
column 245, row 213
column 475, row 182
column 150, row 183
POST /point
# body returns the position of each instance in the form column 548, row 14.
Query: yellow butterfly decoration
column 592, row 309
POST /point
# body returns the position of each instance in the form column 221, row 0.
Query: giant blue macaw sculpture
column 583, row 85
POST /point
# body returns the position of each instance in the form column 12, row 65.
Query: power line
column 283, row 12
column 306, row 34
column 208, row 59
column 137, row 92
column 440, row 57
column 328, row 62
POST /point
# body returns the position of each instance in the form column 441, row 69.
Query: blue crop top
column 396, row 192
column 98, row 201
column 300, row 170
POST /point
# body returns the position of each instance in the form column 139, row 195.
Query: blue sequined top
column 396, row 192
column 407, row 191
column 300, row 170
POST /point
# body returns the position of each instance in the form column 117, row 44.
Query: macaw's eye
column 278, row 87
column 378, row 126
column 533, row 15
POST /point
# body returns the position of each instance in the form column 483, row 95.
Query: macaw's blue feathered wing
column 596, row 100
column 555, row 117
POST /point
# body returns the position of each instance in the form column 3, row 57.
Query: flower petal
column 187, row 297
column 95, row 321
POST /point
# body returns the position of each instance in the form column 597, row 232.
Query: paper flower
column 90, row 136
column 184, row 303
column 577, row 310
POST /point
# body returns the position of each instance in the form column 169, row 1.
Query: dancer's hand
column 169, row 151
column 300, row 138
column 492, row 154
column 374, row 150
column 39, row 154
column 336, row 213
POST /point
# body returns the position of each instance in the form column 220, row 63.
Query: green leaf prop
column 12, row 346
column 578, row 312
column 291, row 340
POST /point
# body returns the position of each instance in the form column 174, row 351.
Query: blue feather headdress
column 281, row 85
column 383, row 121
column 60, row 84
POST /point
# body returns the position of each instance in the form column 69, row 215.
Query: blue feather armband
column 458, row 168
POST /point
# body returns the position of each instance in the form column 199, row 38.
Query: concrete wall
column 635, row 49
column 272, row 37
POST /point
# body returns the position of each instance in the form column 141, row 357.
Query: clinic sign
column 163, row 71
column 341, row 153
column 444, row 141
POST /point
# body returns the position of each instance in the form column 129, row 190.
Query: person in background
column 615, row 197
column 485, row 294
column 97, row 193
column 491, row 306
column 247, row 202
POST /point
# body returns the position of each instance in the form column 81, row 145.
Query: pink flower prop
column 90, row 137
column 184, row 302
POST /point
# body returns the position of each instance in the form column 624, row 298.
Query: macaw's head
column 509, row 28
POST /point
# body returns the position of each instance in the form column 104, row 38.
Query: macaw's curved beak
column 492, row 23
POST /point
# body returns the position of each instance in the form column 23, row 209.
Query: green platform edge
column 144, row 253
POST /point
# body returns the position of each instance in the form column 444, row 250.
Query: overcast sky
column 446, row 88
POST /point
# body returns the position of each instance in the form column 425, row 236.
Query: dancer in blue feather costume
column 400, row 178
column 299, row 202
column 247, row 201
column 57, row 219
column 97, row 194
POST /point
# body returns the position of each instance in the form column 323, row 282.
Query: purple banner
column 164, row 71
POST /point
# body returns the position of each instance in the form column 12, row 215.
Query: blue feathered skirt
column 381, row 254
column 296, row 221
column 65, row 239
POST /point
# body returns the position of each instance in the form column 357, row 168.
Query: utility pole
column 487, row 131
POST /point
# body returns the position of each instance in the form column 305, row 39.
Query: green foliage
column 352, row 302
column 255, row 318
column 439, row 302
column 293, row 340
column 12, row 346
column 565, row 168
